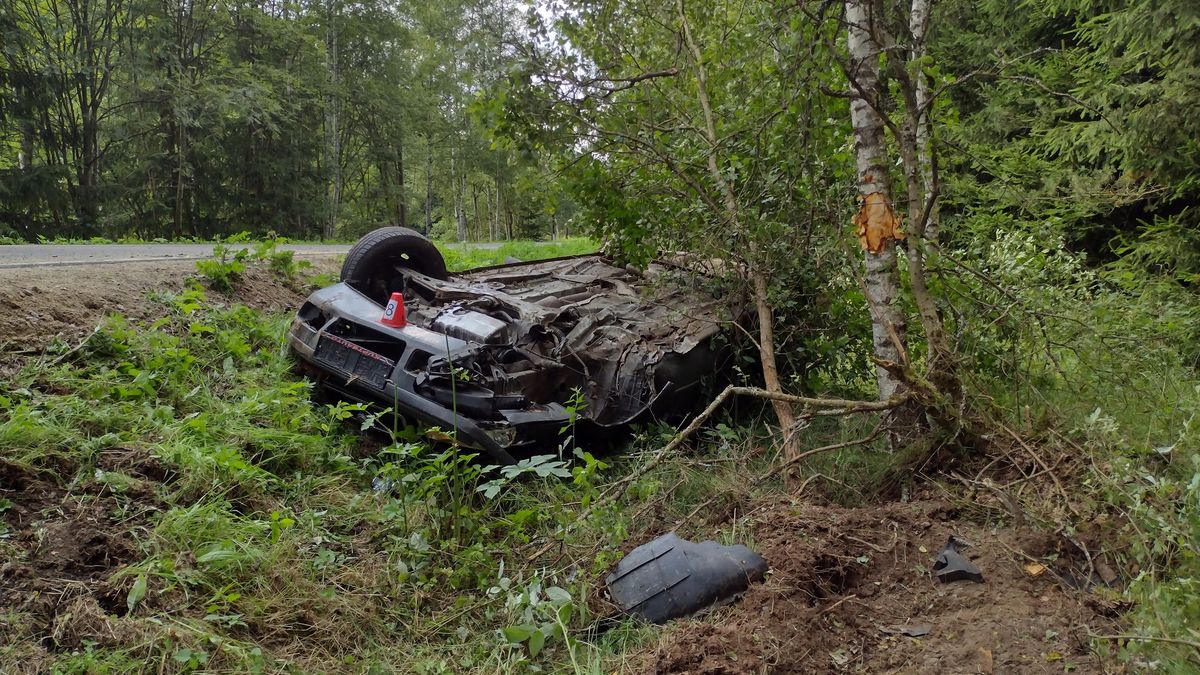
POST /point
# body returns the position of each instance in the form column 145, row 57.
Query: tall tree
column 876, row 220
column 871, row 30
column 65, row 53
column 333, row 137
column 199, row 118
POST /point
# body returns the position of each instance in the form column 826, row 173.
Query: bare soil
column 62, row 553
column 847, row 584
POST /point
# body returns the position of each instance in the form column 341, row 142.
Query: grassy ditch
column 174, row 499
column 184, row 502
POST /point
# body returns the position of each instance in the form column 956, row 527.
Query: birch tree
column 869, row 37
column 876, row 220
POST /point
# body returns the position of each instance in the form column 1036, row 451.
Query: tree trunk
column 87, row 205
column 922, row 191
column 759, row 286
column 428, row 186
column 180, row 149
column 485, row 225
column 25, row 154
column 401, row 200
column 878, row 226
column 460, row 206
column 918, row 24
column 496, row 214
column 475, row 212
column 24, row 109
column 333, row 139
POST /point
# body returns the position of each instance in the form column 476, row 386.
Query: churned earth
column 851, row 590
column 41, row 305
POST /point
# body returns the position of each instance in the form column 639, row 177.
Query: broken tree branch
column 816, row 405
column 1038, row 459
column 1147, row 638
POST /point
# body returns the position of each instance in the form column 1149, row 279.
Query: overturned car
column 499, row 353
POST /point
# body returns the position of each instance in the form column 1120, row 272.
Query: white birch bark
column 918, row 24
column 882, row 280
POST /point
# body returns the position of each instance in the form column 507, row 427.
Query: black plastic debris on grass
column 671, row 577
column 951, row 565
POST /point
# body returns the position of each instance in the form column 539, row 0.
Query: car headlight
column 504, row 436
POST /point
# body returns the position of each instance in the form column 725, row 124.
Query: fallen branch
column 816, row 406
column 825, row 448
column 1038, row 459
column 1148, row 638
column 829, row 608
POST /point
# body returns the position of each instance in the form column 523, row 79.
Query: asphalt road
column 51, row 255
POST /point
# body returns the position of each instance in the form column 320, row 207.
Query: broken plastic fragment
column 671, row 577
column 951, row 565
column 1035, row 569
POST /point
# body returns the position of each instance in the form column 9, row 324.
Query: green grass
column 260, row 545
column 460, row 258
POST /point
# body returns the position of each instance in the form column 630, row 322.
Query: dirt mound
column 43, row 304
column 848, row 586
column 62, row 552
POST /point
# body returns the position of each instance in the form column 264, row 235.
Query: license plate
column 357, row 363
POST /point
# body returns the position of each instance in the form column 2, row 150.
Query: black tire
column 371, row 265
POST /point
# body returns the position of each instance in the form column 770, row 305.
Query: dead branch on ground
column 813, row 406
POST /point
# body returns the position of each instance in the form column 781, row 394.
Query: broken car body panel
column 671, row 577
column 496, row 353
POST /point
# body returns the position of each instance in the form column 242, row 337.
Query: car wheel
column 373, row 265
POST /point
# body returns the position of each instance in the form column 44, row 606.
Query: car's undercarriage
column 508, row 355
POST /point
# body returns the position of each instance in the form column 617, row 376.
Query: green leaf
column 519, row 633
column 564, row 613
column 536, row 641
column 557, row 595
column 136, row 593
column 216, row 555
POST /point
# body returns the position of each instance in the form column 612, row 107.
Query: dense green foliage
column 161, row 119
column 1066, row 264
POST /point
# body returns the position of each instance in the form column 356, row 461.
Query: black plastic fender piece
column 951, row 565
column 671, row 577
